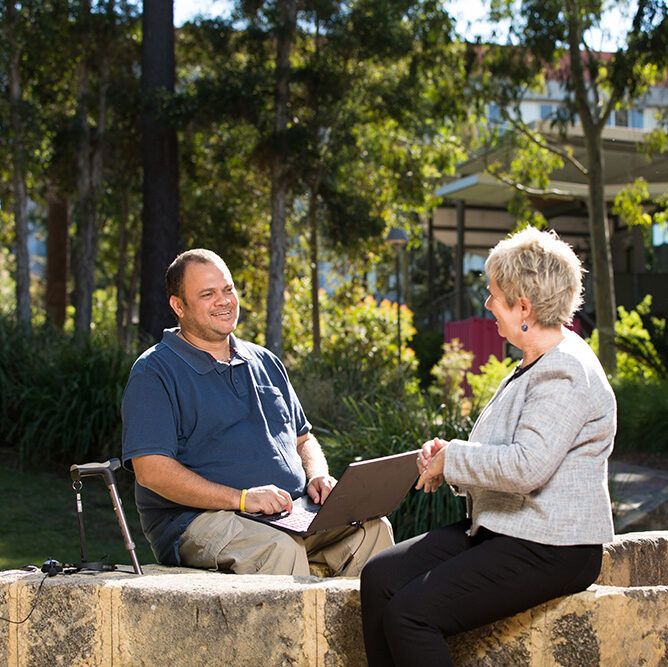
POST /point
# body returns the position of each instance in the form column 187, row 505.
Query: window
column 637, row 119
column 621, row 118
column 634, row 118
column 546, row 111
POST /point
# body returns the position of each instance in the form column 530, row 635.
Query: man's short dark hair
column 176, row 270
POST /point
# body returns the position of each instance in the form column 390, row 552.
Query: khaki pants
column 223, row 540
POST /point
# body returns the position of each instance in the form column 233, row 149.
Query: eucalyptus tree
column 379, row 83
column 14, row 37
column 555, row 35
column 342, row 105
column 160, row 232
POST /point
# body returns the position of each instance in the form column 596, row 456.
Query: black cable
column 41, row 583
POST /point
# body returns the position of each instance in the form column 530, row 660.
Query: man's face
column 209, row 308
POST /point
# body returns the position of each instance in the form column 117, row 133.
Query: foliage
column 389, row 426
column 449, row 373
column 60, row 400
column 484, row 383
column 358, row 351
column 642, row 414
column 551, row 38
column 629, row 204
column 642, row 343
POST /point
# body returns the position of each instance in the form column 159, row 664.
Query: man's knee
column 283, row 555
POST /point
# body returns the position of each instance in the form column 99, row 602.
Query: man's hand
column 430, row 462
column 320, row 487
column 268, row 500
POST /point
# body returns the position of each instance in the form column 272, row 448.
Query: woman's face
column 508, row 320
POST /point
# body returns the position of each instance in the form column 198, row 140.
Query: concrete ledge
column 187, row 617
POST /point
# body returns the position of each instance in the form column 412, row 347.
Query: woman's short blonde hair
column 540, row 267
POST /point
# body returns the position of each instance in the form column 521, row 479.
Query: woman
column 534, row 473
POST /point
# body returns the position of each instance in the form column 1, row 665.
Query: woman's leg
column 392, row 569
column 496, row 577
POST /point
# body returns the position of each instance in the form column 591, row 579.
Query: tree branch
column 526, row 189
column 546, row 145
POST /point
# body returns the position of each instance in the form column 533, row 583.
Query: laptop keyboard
column 299, row 519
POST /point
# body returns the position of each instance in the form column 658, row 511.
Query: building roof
column 565, row 205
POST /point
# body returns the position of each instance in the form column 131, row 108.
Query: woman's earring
column 524, row 327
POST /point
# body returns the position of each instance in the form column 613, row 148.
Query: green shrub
column 484, row 383
column 358, row 357
column 60, row 400
column 390, row 426
column 450, row 371
column 642, row 343
column 642, row 415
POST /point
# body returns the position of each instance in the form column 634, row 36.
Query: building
column 472, row 215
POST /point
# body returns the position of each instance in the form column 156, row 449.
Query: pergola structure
column 472, row 216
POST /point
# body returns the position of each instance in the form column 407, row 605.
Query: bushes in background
column 390, row 426
column 60, row 401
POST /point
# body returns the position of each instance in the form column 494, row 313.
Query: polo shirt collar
column 199, row 360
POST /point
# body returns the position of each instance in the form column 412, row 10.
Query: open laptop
column 366, row 490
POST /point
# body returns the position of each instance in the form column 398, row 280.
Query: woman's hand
column 430, row 462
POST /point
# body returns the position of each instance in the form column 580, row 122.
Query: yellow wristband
column 242, row 501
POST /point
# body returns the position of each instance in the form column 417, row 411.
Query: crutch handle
column 105, row 469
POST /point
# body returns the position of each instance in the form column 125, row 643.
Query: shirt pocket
column 273, row 404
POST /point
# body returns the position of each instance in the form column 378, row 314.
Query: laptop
column 366, row 490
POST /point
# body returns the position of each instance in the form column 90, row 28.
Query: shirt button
column 236, row 380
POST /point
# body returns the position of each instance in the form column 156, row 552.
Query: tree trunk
column 315, row 295
column 277, row 237
column 56, row 258
column 131, row 300
column 89, row 183
column 160, row 229
column 604, row 285
column 18, row 176
column 121, row 292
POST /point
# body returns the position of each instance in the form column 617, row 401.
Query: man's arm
column 172, row 480
column 320, row 482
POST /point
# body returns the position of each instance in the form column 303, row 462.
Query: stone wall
column 178, row 616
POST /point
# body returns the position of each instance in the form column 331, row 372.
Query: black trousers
column 423, row 590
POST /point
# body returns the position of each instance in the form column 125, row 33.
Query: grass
column 39, row 520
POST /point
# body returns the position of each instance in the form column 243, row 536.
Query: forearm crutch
column 106, row 470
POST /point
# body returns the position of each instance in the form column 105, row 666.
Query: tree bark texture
column 56, row 258
column 593, row 121
column 277, row 237
column 315, row 294
column 599, row 230
column 160, row 229
column 22, row 275
column 89, row 183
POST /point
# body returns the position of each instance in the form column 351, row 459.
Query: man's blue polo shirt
column 235, row 424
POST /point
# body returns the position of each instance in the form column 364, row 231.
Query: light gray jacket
column 536, row 463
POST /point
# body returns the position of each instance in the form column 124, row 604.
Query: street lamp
column 398, row 238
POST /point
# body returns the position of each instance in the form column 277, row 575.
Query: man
column 211, row 424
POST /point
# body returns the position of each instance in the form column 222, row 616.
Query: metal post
column 459, row 263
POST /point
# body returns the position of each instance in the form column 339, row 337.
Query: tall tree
column 555, row 34
column 285, row 31
column 91, row 102
column 12, row 34
column 56, row 257
column 160, row 231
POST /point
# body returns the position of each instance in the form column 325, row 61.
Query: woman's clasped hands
column 430, row 463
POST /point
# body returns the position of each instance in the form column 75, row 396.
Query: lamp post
column 398, row 238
